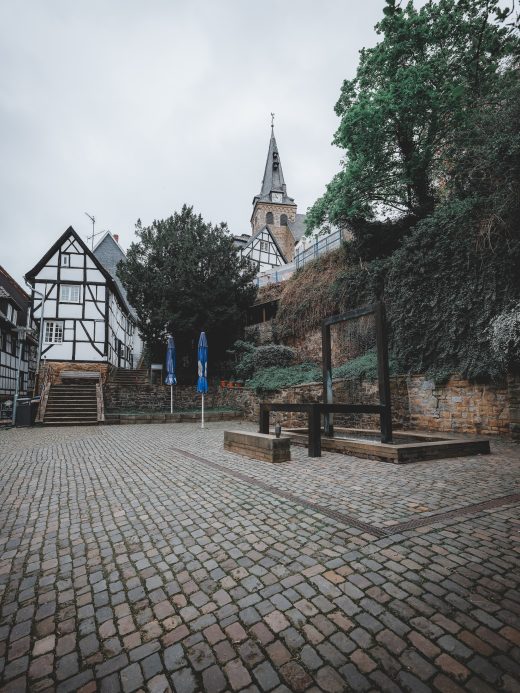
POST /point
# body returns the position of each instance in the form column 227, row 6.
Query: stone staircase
column 71, row 404
column 126, row 377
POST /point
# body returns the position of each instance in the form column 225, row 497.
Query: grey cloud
column 129, row 109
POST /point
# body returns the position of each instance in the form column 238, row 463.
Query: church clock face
column 276, row 197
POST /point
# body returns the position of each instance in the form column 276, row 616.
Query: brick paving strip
column 349, row 520
column 129, row 562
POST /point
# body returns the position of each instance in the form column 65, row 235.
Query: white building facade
column 82, row 313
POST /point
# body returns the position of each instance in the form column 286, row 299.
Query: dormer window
column 12, row 314
column 70, row 293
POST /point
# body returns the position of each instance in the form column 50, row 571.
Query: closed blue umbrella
column 170, row 379
column 202, row 382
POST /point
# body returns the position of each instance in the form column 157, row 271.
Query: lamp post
column 42, row 315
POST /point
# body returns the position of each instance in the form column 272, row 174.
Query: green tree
column 183, row 276
column 412, row 94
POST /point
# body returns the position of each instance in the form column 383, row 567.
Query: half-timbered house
column 80, row 307
column 17, row 343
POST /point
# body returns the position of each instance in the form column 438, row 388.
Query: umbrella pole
column 171, row 399
column 202, row 411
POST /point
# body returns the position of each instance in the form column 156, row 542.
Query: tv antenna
column 94, row 234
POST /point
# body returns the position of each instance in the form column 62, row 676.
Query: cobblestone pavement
column 148, row 558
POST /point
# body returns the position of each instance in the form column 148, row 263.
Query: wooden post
column 264, row 419
column 383, row 375
column 328, row 427
column 314, row 430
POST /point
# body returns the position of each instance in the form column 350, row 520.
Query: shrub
column 442, row 292
column 277, row 378
column 267, row 356
column 505, row 336
column 363, row 367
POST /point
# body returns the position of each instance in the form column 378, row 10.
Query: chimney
column 116, row 237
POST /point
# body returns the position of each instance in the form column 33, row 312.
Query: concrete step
column 79, row 422
column 71, row 398
column 50, row 408
column 71, row 415
column 71, row 405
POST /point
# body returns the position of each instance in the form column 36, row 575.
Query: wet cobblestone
column 126, row 564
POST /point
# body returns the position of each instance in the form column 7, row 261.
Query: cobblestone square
column 146, row 557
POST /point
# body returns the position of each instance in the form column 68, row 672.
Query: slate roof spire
column 273, row 180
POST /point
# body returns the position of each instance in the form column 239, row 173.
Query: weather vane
column 272, row 120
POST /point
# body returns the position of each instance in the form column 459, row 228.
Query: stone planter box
column 259, row 446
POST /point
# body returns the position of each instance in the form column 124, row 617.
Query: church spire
column 273, row 183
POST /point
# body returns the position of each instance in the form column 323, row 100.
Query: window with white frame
column 53, row 332
column 70, row 293
column 65, row 260
column 264, row 245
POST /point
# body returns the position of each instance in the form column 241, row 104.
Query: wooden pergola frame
column 385, row 402
column 315, row 410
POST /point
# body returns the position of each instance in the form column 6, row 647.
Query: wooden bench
column 259, row 446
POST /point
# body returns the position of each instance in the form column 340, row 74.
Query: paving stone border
column 349, row 520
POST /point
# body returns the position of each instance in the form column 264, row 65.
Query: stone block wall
column 157, row 397
column 57, row 366
column 459, row 406
column 513, row 388
column 417, row 403
column 353, row 391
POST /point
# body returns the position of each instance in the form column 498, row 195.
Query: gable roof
column 273, row 180
column 297, row 227
column 10, row 289
column 266, row 228
column 31, row 274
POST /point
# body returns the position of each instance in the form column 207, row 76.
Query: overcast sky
column 127, row 109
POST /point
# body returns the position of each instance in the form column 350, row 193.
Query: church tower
column 273, row 207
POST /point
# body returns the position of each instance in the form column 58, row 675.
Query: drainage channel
column 349, row 520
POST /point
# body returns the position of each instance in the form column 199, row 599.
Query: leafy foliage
column 411, row 94
column 363, row 367
column 277, row 378
column 266, row 356
column 505, row 336
column 184, row 276
column 430, row 127
column 442, row 292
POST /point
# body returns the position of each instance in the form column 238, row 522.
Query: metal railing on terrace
column 275, row 275
column 320, row 245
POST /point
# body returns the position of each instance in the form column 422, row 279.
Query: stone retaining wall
column 56, row 367
column 417, row 403
column 157, row 397
column 460, row 406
